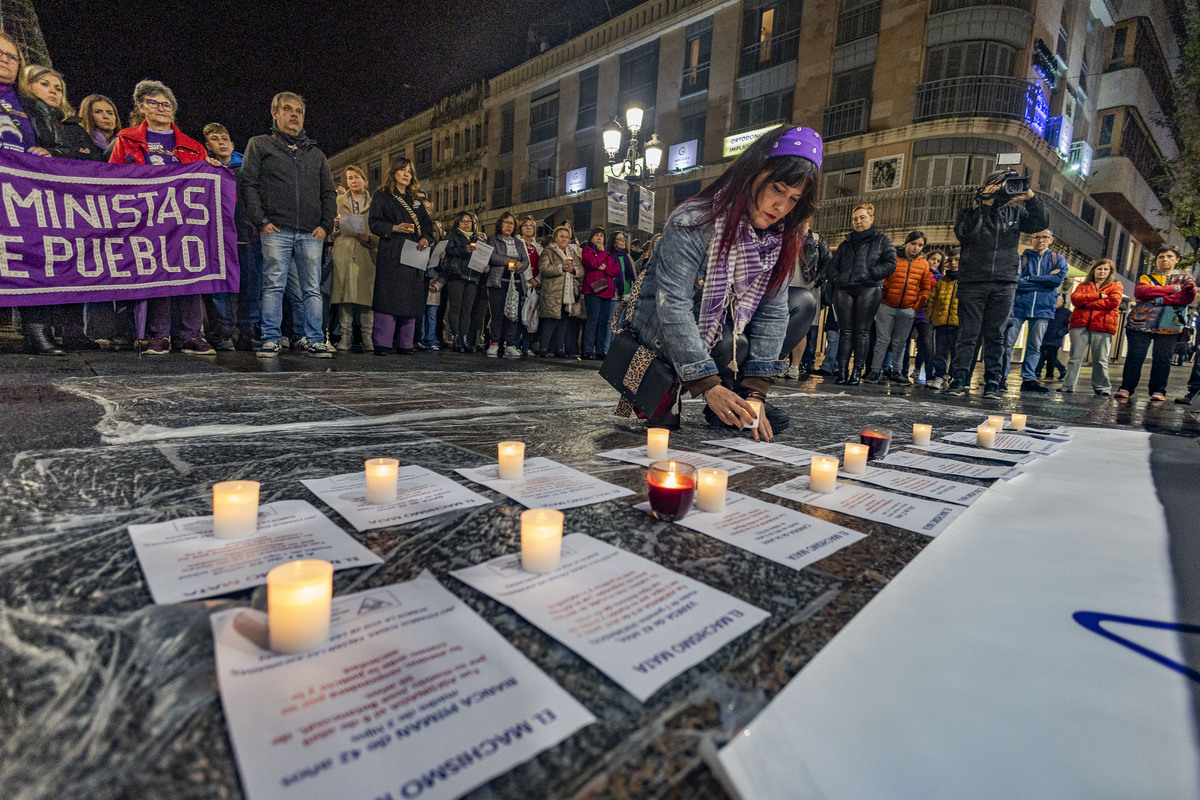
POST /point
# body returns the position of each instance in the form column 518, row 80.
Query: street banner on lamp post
column 618, row 202
column 646, row 210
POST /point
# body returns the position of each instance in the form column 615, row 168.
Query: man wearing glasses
column 1042, row 272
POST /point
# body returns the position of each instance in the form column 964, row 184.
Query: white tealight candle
column 757, row 407
column 541, row 539
column 711, row 485
column 822, row 475
column 996, row 421
column 921, row 433
column 985, row 436
column 235, row 509
column 382, row 475
column 856, row 458
column 512, row 460
column 658, row 440
column 1018, row 421
column 299, row 597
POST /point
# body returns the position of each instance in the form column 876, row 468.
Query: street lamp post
column 641, row 162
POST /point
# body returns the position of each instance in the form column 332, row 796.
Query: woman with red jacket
column 600, row 272
column 1156, row 318
column 158, row 141
column 1094, row 322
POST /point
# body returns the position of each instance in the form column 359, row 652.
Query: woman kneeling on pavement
column 714, row 300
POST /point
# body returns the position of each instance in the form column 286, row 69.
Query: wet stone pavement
column 103, row 694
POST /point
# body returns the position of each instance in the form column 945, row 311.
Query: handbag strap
column 624, row 315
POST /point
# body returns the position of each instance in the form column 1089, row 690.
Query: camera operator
column 989, row 233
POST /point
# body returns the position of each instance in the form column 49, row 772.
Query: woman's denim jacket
column 666, row 316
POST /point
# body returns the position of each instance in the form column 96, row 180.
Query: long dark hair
column 389, row 183
column 732, row 194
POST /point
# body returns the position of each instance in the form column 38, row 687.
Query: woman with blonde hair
column 561, row 293
column 72, row 141
column 353, row 259
column 863, row 260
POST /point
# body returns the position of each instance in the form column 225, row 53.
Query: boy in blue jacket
column 1042, row 272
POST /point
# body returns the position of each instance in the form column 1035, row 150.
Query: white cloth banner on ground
column 636, row 621
column 479, row 258
column 1008, row 441
column 182, row 560
column 968, row 676
column 796, row 456
column 421, row 493
column 974, row 452
column 547, row 484
column 618, row 201
column 777, row 533
column 947, row 466
column 413, row 695
column 645, row 210
column 910, row 513
column 637, row 455
column 921, row 485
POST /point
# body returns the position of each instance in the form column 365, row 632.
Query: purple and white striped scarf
column 735, row 284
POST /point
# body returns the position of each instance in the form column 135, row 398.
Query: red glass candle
column 672, row 487
column 877, row 440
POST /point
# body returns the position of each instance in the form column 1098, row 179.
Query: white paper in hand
column 412, row 256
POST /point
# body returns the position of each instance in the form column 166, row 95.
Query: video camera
column 1012, row 183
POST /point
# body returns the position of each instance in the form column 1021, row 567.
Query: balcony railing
column 501, row 197
column 766, row 54
column 858, row 22
column 1149, row 58
column 942, row 6
column 543, row 131
column 540, row 189
column 695, row 79
column 977, row 96
column 846, row 119
column 1137, row 146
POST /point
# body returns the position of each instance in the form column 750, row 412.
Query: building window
column 771, row 35
column 697, row 58
column 852, row 85
column 1118, row 49
column 1087, row 213
column 639, row 82
column 502, row 189
column 1061, row 49
column 589, row 92
column 962, row 59
column 692, row 127
column 686, row 191
column 424, row 159
column 766, row 28
column 507, row 125
column 955, row 169
column 843, row 183
column 582, row 214
column 479, row 135
column 543, row 115
column 776, row 107
column 1104, row 145
column 585, row 156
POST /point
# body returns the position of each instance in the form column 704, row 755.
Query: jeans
column 459, row 299
column 832, row 337
column 281, row 252
column 809, row 359
column 1135, row 357
column 222, row 320
column 1100, row 343
column 892, row 326
column 249, row 321
column 983, row 311
column 1033, row 346
column 922, row 334
column 596, row 333
column 944, row 337
column 430, row 338
column 1050, row 361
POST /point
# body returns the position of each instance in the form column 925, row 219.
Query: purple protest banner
column 75, row 231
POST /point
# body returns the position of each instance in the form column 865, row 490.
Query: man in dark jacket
column 989, row 233
column 289, row 195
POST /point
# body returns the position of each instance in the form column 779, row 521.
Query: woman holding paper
column 354, row 252
column 713, row 301
column 507, row 266
column 561, row 293
column 398, row 218
column 462, row 282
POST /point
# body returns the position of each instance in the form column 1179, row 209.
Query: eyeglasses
column 165, row 105
column 1042, row 237
column 12, row 58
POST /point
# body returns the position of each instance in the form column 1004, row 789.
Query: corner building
column 915, row 99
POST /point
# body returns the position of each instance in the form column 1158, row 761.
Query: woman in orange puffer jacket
column 1094, row 321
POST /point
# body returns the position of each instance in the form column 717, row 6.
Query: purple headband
column 802, row 142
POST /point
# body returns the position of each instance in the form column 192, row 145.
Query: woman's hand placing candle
column 733, row 409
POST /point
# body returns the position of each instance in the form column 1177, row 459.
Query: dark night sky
column 361, row 66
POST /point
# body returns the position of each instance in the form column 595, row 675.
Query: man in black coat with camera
column 989, row 233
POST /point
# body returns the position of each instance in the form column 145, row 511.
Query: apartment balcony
column 695, row 79
column 857, row 23
column 846, row 119
column 772, row 52
column 942, row 6
column 1122, row 190
column 501, row 197
column 540, row 189
column 975, row 96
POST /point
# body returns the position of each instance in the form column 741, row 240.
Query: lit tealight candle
column 382, row 475
column 822, row 475
column 658, row 441
column 856, row 458
column 757, row 407
column 921, row 433
column 985, row 436
column 512, row 460
column 1018, row 421
column 996, row 421
column 541, row 539
column 299, row 598
column 711, row 484
column 235, row 509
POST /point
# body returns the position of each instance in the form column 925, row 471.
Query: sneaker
column 493, row 351
column 935, row 384
column 1157, row 397
column 269, row 350
column 298, row 344
column 158, row 346
column 1067, row 390
column 1122, row 394
column 419, row 346
column 1033, row 386
column 871, row 377
column 226, row 345
column 284, row 342
column 320, row 350
column 901, row 379
column 1186, row 400
column 956, row 388
column 793, row 372
column 511, row 352
column 198, row 347
column 435, row 348
column 994, row 392
column 1107, row 393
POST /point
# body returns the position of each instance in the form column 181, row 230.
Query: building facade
column 915, row 98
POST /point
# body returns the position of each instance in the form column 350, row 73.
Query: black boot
column 843, row 376
column 39, row 342
column 855, row 377
column 459, row 344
